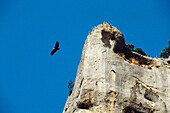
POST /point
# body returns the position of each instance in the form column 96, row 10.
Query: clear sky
column 32, row 81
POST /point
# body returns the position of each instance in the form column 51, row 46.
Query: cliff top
column 130, row 56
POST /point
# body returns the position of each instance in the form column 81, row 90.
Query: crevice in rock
column 66, row 109
column 74, row 110
column 168, row 61
column 113, row 71
column 138, row 81
column 130, row 110
column 138, row 107
column 106, row 36
column 151, row 96
column 81, row 82
column 80, row 87
column 83, row 105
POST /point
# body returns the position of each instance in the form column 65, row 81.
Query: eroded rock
column 112, row 79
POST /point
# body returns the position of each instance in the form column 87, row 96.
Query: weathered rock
column 108, row 81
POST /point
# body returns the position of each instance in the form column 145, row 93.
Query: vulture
column 55, row 48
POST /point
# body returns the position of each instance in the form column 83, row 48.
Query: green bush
column 70, row 86
column 130, row 46
column 165, row 53
column 138, row 50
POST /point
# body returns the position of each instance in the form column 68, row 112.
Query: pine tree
column 70, row 86
column 165, row 53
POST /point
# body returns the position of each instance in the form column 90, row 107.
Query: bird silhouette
column 55, row 48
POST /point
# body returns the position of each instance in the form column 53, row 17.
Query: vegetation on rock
column 165, row 53
column 138, row 50
column 131, row 57
column 70, row 86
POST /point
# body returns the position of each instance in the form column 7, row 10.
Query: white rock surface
column 107, row 83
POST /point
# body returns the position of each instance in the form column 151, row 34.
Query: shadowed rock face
column 108, row 81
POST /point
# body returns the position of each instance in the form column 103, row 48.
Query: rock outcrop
column 112, row 79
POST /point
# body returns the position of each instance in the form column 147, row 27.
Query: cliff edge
column 112, row 79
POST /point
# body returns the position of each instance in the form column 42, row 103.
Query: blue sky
column 32, row 81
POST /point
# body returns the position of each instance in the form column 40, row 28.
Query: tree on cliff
column 165, row 53
column 130, row 46
column 70, row 86
column 138, row 50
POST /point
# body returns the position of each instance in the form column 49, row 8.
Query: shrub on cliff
column 165, row 53
column 130, row 46
column 70, row 86
column 138, row 50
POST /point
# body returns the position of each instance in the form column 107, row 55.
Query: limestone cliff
column 112, row 79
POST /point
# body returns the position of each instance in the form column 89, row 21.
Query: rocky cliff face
column 112, row 79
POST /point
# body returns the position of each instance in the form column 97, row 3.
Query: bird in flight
column 55, row 48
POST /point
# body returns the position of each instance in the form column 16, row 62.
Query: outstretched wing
column 57, row 44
